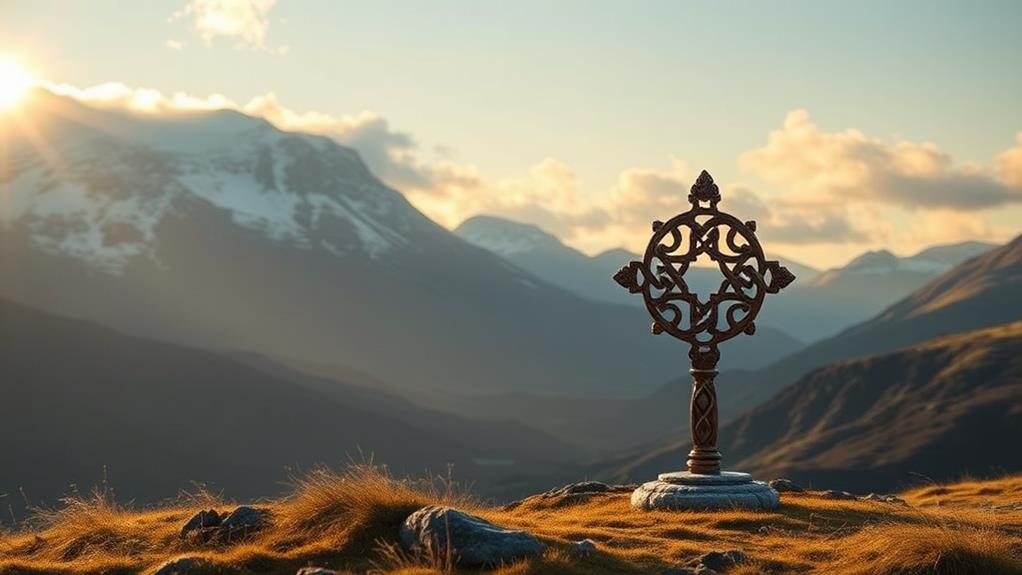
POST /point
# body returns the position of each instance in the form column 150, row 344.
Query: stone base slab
column 684, row 490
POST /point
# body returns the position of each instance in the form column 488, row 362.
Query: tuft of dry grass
column 350, row 521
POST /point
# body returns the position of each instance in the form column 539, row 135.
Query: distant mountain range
column 80, row 402
column 808, row 414
column 219, row 231
column 544, row 255
column 815, row 306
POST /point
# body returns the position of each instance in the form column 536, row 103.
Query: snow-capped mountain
column 218, row 230
column 269, row 181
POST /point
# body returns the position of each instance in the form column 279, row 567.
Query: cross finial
column 747, row 278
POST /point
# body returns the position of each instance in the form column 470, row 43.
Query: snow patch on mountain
column 99, row 191
column 504, row 237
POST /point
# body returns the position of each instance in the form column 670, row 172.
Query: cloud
column 174, row 45
column 247, row 22
column 1008, row 164
column 853, row 167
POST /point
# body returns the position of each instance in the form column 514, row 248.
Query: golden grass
column 350, row 522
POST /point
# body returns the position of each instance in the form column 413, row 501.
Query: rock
column 181, row 566
column 721, row 561
column 678, row 571
column 835, row 494
column 201, row 521
column 585, row 547
column 315, row 571
column 587, row 488
column 786, row 486
column 472, row 540
column 885, row 499
column 241, row 522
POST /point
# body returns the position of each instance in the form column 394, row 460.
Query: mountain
column 81, row 402
column 544, row 255
column 219, row 231
column 982, row 292
column 839, row 298
column 940, row 409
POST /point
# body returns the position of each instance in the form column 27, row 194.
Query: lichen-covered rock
column 471, row 540
column 181, row 566
column 201, row 522
column 786, row 486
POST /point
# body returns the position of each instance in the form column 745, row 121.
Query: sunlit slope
column 351, row 523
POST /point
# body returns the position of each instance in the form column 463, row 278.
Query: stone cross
column 746, row 277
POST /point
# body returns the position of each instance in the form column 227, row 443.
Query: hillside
column 351, row 523
column 81, row 403
column 981, row 292
column 940, row 409
column 217, row 230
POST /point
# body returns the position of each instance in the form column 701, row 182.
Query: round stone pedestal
column 684, row 490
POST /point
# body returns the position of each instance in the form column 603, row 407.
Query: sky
column 839, row 126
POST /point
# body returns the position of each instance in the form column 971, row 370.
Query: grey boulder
column 472, row 541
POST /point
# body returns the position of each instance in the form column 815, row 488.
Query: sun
column 15, row 82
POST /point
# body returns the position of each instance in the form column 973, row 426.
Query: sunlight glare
column 15, row 82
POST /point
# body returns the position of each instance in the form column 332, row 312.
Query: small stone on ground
column 201, row 521
column 721, row 561
column 836, row 494
column 585, row 547
column 786, row 486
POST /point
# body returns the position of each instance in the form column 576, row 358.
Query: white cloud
column 174, row 45
column 247, row 22
column 1008, row 164
column 852, row 167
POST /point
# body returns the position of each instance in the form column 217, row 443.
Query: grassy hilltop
column 350, row 522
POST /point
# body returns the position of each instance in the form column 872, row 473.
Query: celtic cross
column 747, row 276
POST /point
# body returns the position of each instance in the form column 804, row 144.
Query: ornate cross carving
column 747, row 276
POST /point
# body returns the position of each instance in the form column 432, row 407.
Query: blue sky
column 584, row 117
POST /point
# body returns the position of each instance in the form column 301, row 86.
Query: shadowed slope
column 940, row 409
column 80, row 402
